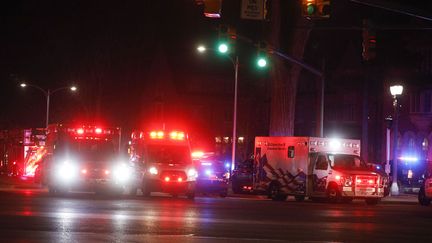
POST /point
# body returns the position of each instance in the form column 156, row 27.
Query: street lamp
column 396, row 91
column 223, row 49
column 47, row 94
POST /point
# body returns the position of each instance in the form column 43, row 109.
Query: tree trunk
column 285, row 75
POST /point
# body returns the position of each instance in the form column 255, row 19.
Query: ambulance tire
column 275, row 192
column 423, row 200
column 299, row 198
column 372, row 201
column 333, row 194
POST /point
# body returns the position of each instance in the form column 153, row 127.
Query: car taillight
column 366, row 180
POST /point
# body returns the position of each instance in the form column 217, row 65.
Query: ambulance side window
column 321, row 163
column 291, row 152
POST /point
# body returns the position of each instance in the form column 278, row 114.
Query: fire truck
column 83, row 158
column 317, row 168
column 163, row 159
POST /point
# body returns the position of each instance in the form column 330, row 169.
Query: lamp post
column 396, row 91
column 223, row 49
column 47, row 94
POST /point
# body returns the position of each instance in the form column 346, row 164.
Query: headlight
column 208, row 172
column 153, row 170
column 122, row 172
column 192, row 173
column 66, row 171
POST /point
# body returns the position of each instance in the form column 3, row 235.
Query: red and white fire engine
column 163, row 159
column 315, row 168
column 83, row 158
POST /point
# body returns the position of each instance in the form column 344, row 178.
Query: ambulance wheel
column 299, row 198
column 275, row 192
column 372, row 201
column 423, row 200
column 333, row 194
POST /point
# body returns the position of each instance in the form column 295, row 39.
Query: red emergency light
column 98, row 130
column 157, row 134
column 80, row 131
column 176, row 135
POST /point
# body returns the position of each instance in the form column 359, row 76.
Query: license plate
column 364, row 191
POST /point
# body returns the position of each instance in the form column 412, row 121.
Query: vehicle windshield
column 169, row 154
column 346, row 161
column 91, row 150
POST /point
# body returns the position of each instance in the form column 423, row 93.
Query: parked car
column 425, row 192
column 213, row 175
column 242, row 176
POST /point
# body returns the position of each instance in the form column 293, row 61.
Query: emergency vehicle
column 83, row 158
column 164, row 162
column 425, row 192
column 315, row 168
column 213, row 173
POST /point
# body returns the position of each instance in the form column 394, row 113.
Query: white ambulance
column 317, row 168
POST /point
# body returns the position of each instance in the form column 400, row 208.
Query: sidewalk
column 403, row 198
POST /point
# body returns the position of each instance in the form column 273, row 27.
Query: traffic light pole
column 234, row 136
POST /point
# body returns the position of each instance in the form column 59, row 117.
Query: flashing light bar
column 409, row 159
column 335, row 144
column 176, row 135
column 157, row 134
column 197, row 154
column 82, row 131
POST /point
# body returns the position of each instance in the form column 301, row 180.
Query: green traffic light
column 311, row 9
column 223, row 48
column 261, row 62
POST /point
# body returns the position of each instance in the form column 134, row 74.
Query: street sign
column 253, row 9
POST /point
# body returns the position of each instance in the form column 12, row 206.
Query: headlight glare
column 192, row 173
column 153, row 170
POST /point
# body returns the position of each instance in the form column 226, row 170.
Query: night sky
column 113, row 51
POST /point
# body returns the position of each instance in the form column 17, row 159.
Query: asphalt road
column 34, row 216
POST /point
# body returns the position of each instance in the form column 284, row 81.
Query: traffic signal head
column 262, row 55
column 316, row 8
column 369, row 41
column 223, row 47
column 227, row 37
